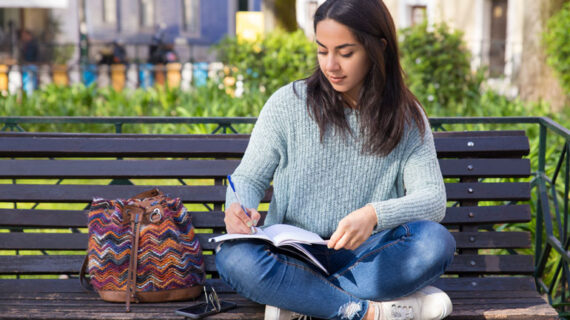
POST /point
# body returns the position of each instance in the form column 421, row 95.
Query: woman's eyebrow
column 337, row 47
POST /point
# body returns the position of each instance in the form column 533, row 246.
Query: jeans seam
column 357, row 262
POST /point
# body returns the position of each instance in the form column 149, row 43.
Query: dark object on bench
column 63, row 172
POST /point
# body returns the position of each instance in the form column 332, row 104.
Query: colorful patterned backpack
column 143, row 249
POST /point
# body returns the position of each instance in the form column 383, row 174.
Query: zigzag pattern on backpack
column 169, row 256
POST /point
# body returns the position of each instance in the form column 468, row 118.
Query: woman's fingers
column 345, row 240
column 333, row 241
column 237, row 221
column 353, row 229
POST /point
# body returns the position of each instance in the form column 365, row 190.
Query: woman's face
column 342, row 59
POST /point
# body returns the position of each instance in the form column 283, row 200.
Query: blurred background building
column 58, row 26
column 502, row 35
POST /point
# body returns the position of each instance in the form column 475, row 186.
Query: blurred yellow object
column 173, row 74
column 249, row 24
column 229, row 81
column 118, row 76
column 59, row 74
column 159, row 77
column 3, row 77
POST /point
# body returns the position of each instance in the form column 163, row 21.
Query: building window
column 243, row 5
column 498, row 37
column 146, row 13
column 191, row 15
column 418, row 15
column 110, row 11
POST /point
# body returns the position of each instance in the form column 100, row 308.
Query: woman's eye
column 322, row 52
column 347, row 55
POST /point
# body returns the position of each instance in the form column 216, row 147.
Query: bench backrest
column 47, row 181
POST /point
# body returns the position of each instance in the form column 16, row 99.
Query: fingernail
column 249, row 224
column 255, row 222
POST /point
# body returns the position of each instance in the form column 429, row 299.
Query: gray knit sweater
column 316, row 184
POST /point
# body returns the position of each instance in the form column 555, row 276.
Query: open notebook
column 286, row 237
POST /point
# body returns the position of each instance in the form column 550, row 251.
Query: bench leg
column 274, row 313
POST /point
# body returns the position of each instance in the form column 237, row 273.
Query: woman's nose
column 332, row 63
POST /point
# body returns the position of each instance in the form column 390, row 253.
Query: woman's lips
column 335, row 79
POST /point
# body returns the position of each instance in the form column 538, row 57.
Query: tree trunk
column 536, row 79
column 280, row 14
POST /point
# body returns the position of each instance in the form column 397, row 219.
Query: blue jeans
column 390, row 264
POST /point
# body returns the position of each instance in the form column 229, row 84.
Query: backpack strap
column 82, row 275
column 136, row 218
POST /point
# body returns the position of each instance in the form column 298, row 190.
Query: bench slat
column 112, row 169
column 78, row 218
column 78, row 241
column 119, row 145
column 71, row 264
column 503, row 239
column 513, row 191
column 215, row 219
column 493, row 133
column 86, row 193
column 62, row 303
column 473, row 146
column 465, row 284
column 456, row 168
column 493, row 264
column 487, row 214
column 476, row 191
column 491, row 283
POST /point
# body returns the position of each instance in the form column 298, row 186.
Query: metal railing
column 223, row 125
column 549, row 179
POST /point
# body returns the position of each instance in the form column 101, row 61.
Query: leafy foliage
column 438, row 68
column 556, row 39
column 269, row 62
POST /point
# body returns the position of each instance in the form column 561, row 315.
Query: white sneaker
column 429, row 303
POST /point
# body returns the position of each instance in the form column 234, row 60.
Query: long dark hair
column 385, row 104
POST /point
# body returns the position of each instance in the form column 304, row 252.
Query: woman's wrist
column 371, row 214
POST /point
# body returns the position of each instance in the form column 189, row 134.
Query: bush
column 89, row 101
column 438, row 68
column 556, row 40
column 269, row 62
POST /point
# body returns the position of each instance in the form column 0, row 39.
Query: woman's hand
column 237, row 221
column 354, row 229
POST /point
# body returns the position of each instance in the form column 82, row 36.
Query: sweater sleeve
column 264, row 152
column 425, row 197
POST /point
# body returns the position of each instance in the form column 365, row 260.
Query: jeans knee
column 435, row 243
column 236, row 260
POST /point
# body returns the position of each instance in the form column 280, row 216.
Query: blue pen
column 239, row 201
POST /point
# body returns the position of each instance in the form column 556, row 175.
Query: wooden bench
column 48, row 180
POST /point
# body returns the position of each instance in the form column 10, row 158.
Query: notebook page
column 282, row 234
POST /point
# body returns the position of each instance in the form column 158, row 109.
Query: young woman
column 352, row 158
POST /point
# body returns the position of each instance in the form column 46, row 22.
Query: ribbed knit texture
column 317, row 184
